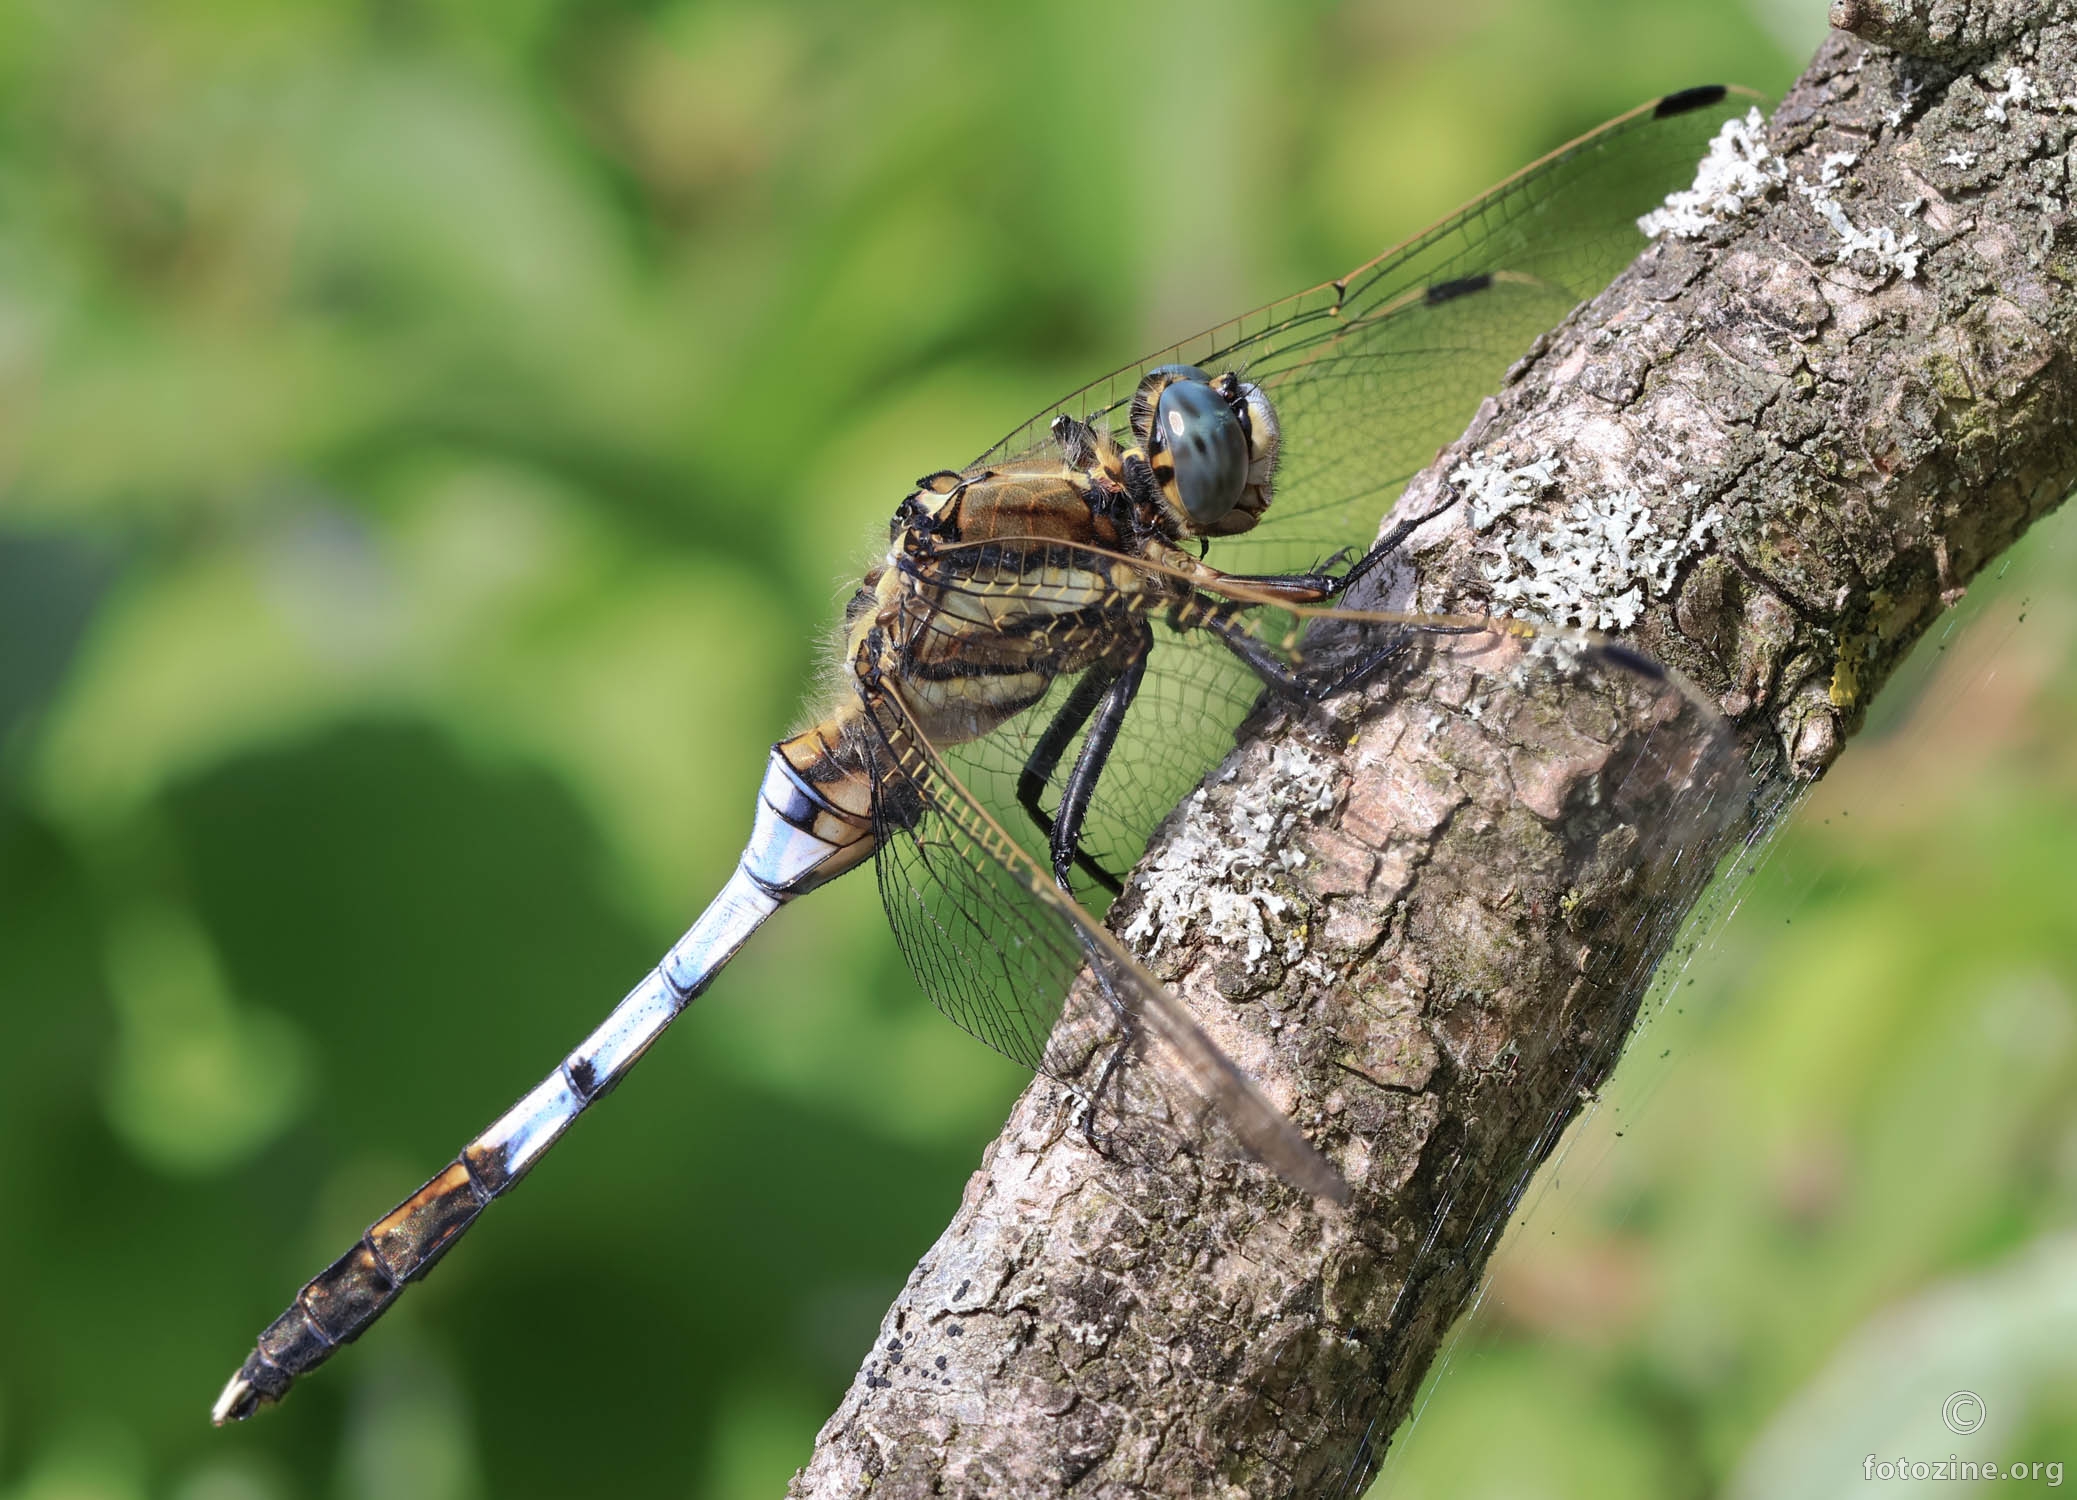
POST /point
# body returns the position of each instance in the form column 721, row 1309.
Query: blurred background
column 434, row 438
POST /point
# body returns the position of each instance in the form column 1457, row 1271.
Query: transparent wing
column 999, row 948
column 1375, row 371
column 965, row 872
column 1370, row 374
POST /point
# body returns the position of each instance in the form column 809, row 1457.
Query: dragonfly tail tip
column 239, row 1400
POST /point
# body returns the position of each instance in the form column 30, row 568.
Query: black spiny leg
column 1272, row 668
column 1262, row 661
column 1129, row 1039
column 1096, row 749
column 1275, row 671
column 1325, row 584
column 1038, row 771
column 1386, row 545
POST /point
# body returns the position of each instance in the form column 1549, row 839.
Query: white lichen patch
column 2018, row 91
column 1960, row 158
column 1737, row 172
column 1491, row 489
column 1596, row 564
column 1891, row 251
column 1832, row 170
column 1218, row 874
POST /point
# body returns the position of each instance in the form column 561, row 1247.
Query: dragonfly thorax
column 1000, row 580
column 1005, row 577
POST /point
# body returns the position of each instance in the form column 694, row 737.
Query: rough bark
column 1869, row 418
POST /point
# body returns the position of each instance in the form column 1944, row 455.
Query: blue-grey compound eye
column 1148, row 391
column 1203, row 439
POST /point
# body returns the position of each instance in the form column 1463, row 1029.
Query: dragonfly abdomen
column 803, row 835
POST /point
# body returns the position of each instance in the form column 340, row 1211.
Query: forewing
column 1375, row 371
column 998, row 948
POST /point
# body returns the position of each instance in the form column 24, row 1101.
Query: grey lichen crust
column 1771, row 455
column 1951, row 30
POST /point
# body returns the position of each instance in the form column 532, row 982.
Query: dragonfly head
column 1212, row 445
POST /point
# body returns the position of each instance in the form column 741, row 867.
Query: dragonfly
column 1045, row 660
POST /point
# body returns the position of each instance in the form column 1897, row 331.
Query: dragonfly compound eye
column 1148, row 392
column 1207, row 446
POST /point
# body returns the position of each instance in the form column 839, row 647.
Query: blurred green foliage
column 433, row 439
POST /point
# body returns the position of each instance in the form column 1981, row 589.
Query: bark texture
column 1845, row 401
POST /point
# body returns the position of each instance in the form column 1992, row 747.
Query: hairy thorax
column 996, row 582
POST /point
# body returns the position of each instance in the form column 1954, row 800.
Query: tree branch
column 1846, row 400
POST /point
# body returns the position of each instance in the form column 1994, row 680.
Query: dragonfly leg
column 1384, row 547
column 1321, row 583
column 1111, row 1063
column 1045, row 757
column 1262, row 661
column 1038, row 771
column 1066, row 837
column 1097, row 689
column 1278, row 673
column 1295, row 588
column 1129, row 1038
